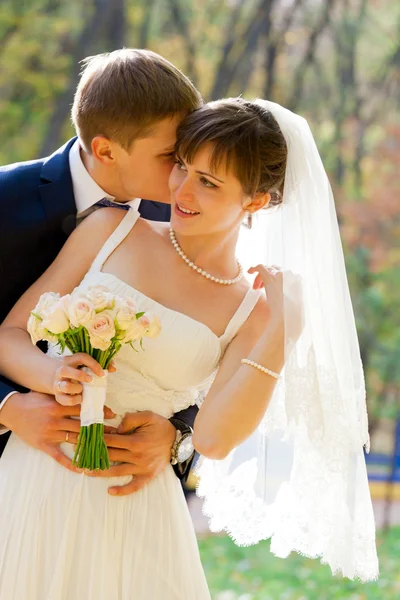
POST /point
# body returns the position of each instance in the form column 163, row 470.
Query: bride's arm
column 20, row 360
column 239, row 396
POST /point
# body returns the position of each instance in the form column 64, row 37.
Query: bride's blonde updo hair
column 246, row 139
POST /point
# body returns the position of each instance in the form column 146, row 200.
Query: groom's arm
column 37, row 419
column 7, row 389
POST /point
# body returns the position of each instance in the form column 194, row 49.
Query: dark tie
column 100, row 204
column 110, row 203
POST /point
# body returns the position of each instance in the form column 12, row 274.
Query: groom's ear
column 104, row 150
column 257, row 202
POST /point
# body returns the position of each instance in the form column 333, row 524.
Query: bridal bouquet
column 98, row 323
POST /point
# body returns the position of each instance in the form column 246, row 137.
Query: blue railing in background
column 385, row 467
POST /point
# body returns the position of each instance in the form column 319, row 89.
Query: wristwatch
column 182, row 449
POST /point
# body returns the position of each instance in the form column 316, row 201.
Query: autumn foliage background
column 337, row 62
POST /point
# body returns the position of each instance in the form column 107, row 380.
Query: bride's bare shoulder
column 93, row 232
column 103, row 221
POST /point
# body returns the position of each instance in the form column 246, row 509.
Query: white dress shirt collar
column 86, row 191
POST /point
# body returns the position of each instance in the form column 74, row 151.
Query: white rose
column 80, row 311
column 100, row 297
column 125, row 312
column 46, row 302
column 101, row 330
column 134, row 332
column 98, row 343
column 151, row 324
column 35, row 329
column 55, row 319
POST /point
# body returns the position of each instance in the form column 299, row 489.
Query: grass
column 253, row 573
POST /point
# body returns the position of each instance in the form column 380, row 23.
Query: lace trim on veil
column 319, row 466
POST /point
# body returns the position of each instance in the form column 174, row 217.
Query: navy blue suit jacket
column 37, row 214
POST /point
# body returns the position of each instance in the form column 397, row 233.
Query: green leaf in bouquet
column 70, row 342
column 38, row 317
column 112, row 351
column 139, row 314
column 61, row 342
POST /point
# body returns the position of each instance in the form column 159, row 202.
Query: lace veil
column 301, row 478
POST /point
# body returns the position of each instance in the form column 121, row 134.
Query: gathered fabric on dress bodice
column 174, row 370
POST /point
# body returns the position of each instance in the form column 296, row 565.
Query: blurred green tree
column 337, row 62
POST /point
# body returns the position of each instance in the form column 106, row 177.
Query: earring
column 249, row 216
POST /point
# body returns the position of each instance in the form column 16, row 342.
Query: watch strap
column 181, row 425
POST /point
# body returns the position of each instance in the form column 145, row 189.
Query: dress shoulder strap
column 117, row 236
column 240, row 316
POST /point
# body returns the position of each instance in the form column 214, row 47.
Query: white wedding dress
column 63, row 537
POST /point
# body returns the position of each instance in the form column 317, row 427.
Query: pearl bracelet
column 246, row 361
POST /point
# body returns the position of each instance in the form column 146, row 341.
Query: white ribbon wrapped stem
column 93, row 399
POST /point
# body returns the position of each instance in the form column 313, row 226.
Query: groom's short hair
column 122, row 94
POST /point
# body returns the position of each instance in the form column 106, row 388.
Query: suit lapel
column 56, row 190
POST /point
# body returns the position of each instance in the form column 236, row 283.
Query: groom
column 127, row 107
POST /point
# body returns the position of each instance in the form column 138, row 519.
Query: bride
column 64, row 535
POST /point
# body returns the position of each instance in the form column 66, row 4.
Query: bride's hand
column 68, row 378
column 271, row 279
column 282, row 306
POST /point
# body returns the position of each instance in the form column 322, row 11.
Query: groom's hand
column 142, row 445
column 41, row 423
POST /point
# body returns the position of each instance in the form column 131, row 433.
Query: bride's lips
column 184, row 215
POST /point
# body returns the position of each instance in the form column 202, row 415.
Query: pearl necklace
column 201, row 271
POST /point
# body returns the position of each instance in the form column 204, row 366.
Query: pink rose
column 100, row 297
column 80, row 311
column 151, row 325
column 125, row 309
column 145, row 320
column 101, row 330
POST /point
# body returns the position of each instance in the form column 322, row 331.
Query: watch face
column 185, row 449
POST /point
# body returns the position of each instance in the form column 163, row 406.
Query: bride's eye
column 207, row 183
